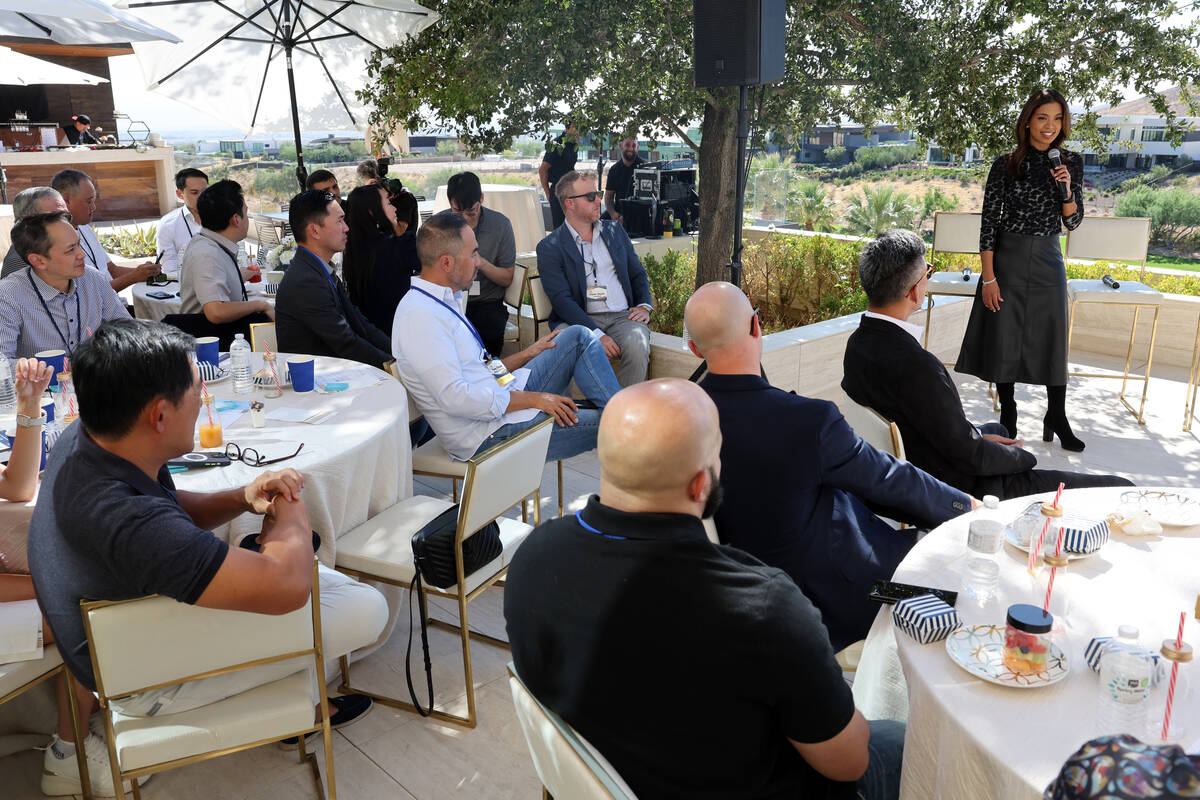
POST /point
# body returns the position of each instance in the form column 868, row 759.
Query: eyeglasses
column 928, row 275
column 754, row 316
column 591, row 197
column 467, row 212
column 251, row 457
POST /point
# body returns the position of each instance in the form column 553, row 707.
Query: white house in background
column 207, row 147
column 1137, row 123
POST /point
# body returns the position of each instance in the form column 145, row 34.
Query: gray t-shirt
column 104, row 530
column 498, row 246
column 12, row 262
column 209, row 272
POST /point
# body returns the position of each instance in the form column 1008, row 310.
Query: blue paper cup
column 208, row 349
column 55, row 359
column 48, row 407
column 301, row 370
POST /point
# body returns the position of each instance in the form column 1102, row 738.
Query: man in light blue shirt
column 470, row 398
column 54, row 303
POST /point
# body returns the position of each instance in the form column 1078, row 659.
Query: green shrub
column 672, row 280
column 798, row 280
column 132, row 244
column 1167, row 284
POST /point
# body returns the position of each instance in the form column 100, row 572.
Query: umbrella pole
column 301, row 172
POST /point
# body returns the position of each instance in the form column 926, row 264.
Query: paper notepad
column 20, row 631
column 354, row 377
column 312, row 416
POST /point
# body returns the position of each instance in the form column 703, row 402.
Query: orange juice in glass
column 210, row 431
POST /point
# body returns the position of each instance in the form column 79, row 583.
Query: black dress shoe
column 1062, row 429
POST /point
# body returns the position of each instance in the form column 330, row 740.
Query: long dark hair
column 368, row 225
column 1016, row 159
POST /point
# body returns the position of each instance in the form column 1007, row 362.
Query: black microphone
column 967, row 274
column 1108, row 281
column 1056, row 161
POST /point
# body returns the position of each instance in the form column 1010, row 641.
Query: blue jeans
column 576, row 355
column 886, row 748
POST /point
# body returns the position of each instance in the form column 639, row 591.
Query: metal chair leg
column 560, row 489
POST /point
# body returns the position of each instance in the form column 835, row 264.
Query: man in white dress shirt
column 179, row 225
column 472, row 399
column 79, row 192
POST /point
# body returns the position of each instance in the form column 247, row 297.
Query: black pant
column 1036, row 481
column 556, row 212
column 489, row 318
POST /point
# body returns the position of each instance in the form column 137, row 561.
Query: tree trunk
column 718, row 187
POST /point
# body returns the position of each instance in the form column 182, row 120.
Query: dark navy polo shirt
column 104, row 530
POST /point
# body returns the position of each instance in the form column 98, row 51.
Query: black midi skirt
column 1026, row 340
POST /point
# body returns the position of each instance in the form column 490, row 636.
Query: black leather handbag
column 433, row 559
column 433, row 549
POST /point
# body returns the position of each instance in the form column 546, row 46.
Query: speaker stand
column 743, row 134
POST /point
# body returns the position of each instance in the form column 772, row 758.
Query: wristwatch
column 26, row 421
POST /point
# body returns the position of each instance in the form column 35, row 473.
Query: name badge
column 474, row 288
column 499, row 371
column 597, row 293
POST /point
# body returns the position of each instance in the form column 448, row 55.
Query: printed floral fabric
column 1123, row 768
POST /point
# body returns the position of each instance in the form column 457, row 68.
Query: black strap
column 415, row 587
column 237, row 269
column 78, row 315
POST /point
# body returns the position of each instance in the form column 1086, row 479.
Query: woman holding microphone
column 1017, row 332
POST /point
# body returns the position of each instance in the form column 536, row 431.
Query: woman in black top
column 378, row 265
column 1018, row 326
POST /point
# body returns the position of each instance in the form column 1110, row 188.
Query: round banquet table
column 970, row 738
column 153, row 308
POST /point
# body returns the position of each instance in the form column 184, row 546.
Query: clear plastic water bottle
column 1125, row 674
column 985, row 536
column 8, row 387
column 243, row 257
column 239, row 365
column 685, row 337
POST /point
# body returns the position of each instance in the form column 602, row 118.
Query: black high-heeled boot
column 1055, row 422
column 1008, row 408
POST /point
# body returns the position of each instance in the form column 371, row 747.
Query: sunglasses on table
column 591, row 197
column 251, row 457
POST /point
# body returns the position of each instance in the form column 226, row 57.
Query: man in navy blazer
column 801, row 489
column 313, row 312
column 595, row 279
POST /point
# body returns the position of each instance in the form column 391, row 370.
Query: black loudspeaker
column 739, row 42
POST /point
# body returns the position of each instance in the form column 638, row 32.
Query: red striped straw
column 1053, row 570
column 1035, row 551
column 271, row 361
column 207, row 406
column 1174, row 676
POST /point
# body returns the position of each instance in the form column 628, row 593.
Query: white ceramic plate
column 1011, row 537
column 223, row 375
column 979, row 649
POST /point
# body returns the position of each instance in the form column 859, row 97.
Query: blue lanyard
column 83, row 241
column 486, row 355
column 183, row 216
column 78, row 316
column 598, row 532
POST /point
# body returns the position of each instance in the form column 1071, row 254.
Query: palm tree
column 878, row 209
column 809, row 201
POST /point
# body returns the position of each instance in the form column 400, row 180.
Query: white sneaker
column 60, row 776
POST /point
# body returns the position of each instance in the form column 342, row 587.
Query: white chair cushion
column 15, row 675
column 268, row 711
column 1088, row 291
column 431, row 457
column 952, row 283
column 511, row 331
column 383, row 544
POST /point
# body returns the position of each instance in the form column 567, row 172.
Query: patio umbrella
column 75, row 22
column 241, row 60
column 18, row 69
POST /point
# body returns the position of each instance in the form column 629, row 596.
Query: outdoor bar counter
column 132, row 183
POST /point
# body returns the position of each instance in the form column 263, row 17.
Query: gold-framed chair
column 539, row 301
column 19, row 677
column 262, row 336
column 381, row 548
column 569, row 767
column 874, row 429
column 514, row 298
column 1117, row 239
column 954, row 232
column 155, row 642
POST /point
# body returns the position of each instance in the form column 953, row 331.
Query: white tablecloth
column 519, row 203
column 967, row 738
column 355, row 464
column 146, row 307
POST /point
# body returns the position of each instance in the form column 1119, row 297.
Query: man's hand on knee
column 611, row 348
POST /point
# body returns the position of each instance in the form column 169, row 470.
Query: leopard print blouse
column 1029, row 205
